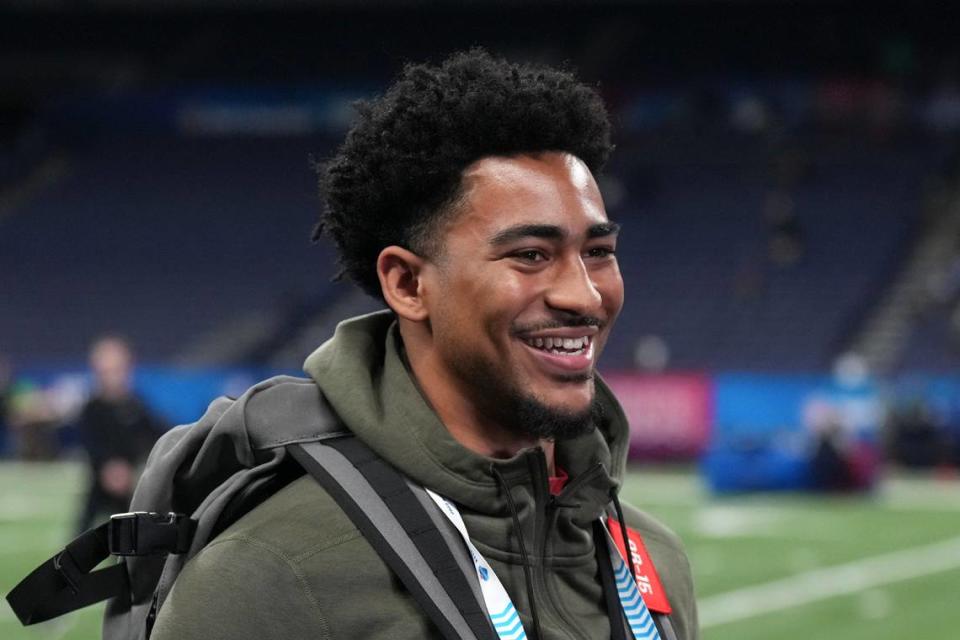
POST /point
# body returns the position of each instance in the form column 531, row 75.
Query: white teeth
column 575, row 345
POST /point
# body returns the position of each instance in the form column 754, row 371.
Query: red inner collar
column 558, row 482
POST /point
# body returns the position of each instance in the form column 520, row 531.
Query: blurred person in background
column 915, row 439
column 831, row 471
column 116, row 430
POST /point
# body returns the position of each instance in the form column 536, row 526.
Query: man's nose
column 572, row 289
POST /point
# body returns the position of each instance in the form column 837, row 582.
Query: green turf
column 742, row 541
column 733, row 543
column 38, row 504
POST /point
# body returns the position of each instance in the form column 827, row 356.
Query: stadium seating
column 162, row 239
column 933, row 344
column 695, row 231
column 168, row 238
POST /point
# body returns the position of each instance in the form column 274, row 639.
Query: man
column 464, row 198
column 116, row 429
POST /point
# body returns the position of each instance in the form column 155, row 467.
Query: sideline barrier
column 176, row 396
column 749, row 431
column 791, row 432
column 670, row 415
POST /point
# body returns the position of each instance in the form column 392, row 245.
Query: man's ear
column 400, row 272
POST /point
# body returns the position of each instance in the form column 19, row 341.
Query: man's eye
column 530, row 255
column 601, row 252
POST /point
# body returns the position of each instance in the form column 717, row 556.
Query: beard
column 523, row 413
column 532, row 417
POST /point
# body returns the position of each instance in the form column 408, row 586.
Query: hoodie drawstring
column 631, row 558
column 528, row 575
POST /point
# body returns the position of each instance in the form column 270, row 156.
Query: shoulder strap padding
column 390, row 517
column 452, row 540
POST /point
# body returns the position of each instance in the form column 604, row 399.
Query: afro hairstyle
column 399, row 169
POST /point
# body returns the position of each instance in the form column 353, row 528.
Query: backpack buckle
column 143, row 533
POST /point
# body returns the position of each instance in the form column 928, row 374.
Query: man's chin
column 533, row 402
column 573, row 396
column 541, row 418
column 576, row 378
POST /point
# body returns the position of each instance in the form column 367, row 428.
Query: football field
column 883, row 567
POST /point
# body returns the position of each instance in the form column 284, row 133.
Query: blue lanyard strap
column 503, row 614
column 634, row 608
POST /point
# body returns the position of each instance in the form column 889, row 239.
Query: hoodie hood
column 364, row 378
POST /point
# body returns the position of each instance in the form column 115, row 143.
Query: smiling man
column 503, row 327
column 465, row 198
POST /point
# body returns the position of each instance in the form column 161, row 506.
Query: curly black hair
column 399, row 169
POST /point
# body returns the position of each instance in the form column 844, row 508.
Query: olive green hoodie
column 296, row 567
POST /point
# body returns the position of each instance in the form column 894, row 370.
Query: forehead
column 546, row 189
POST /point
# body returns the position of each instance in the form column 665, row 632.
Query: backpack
column 202, row 477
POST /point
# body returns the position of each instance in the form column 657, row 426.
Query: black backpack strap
column 663, row 623
column 618, row 629
column 435, row 548
column 66, row 582
column 453, row 543
column 379, row 502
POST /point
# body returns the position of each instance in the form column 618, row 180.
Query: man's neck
column 494, row 443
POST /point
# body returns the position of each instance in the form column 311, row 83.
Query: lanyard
column 503, row 615
column 634, row 608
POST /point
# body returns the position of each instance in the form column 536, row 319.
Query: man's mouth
column 561, row 346
column 562, row 355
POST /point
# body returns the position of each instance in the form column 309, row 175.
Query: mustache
column 560, row 323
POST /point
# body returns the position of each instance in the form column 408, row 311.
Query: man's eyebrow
column 603, row 229
column 520, row 231
column 549, row 232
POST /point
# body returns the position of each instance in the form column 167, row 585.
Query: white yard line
column 821, row 584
